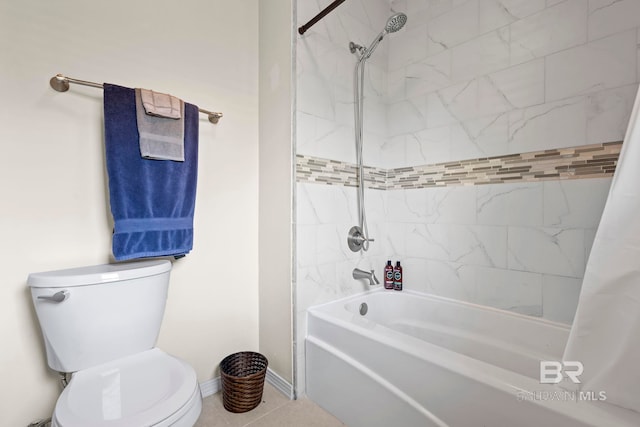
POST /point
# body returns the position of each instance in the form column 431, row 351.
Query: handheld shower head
column 395, row 23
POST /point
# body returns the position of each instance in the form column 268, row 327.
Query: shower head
column 395, row 23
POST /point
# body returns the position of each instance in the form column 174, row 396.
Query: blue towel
column 152, row 201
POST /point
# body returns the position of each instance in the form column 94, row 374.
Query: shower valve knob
column 356, row 239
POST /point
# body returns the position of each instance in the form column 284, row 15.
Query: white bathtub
column 420, row 360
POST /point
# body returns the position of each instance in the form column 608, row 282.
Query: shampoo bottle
column 388, row 275
column 397, row 277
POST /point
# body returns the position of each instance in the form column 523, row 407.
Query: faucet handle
column 57, row 297
column 357, row 239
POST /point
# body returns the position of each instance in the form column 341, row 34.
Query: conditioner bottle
column 397, row 277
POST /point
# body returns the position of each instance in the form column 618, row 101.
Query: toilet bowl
column 151, row 388
column 101, row 324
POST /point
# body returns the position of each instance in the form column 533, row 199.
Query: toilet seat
column 150, row 388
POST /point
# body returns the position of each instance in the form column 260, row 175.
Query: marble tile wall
column 324, row 130
column 324, row 263
column 522, row 75
column 505, row 245
column 465, row 79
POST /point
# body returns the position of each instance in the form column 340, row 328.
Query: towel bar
column 61, row 82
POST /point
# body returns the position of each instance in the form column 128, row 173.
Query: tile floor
column 276, row 410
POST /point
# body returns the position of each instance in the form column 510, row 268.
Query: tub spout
column 370, row 276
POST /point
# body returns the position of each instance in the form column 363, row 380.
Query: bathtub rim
column 496, row 377
column 323, row 306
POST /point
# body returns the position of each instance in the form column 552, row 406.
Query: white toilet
column 101, row 324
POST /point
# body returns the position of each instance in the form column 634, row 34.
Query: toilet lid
column 138, row 390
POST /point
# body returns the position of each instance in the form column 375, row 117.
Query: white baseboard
column 210, row 387
column 214, row 385
column 280, row 384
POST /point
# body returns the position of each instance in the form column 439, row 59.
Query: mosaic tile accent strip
column 334, row 172
column 585, row 161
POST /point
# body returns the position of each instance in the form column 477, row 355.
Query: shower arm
column 365, row 53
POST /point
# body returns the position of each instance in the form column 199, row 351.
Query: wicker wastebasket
column 243, row 380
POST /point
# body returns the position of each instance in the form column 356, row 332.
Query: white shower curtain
column 605, row 336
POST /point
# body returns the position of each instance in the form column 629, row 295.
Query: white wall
column 54, row 200
column 276, row 185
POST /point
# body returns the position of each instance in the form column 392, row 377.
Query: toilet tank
column 108, row 311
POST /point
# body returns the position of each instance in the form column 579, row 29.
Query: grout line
column 269, row 413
